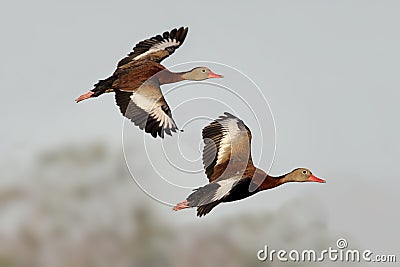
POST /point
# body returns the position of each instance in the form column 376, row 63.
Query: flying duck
column 137, row 80
column 230, row 170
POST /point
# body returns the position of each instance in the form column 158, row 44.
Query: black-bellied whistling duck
column 230, row 170
column 137, row 79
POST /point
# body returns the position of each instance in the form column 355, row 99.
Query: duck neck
column 166, row 76
column 271, row 182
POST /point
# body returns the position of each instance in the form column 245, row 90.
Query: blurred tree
column 77, row 206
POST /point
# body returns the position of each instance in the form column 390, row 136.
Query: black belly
column 239, row 191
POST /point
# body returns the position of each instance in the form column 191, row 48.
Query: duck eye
column 203, row 70
column 304, row 172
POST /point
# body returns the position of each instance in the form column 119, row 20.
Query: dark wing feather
column 150, row 113
column 158, row 47
column 122, row 99
column 204, row 209
column 227, row 148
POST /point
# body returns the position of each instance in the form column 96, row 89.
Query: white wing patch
column 154, row 109
column 164, row 120
column 231, row 129
column 225, row 186
column 158, row 47
column 144, row 102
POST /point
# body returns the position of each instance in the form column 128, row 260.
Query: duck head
column 302, row 175
column 200, row 73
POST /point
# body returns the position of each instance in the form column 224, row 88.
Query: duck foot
column 84, row 96
column 182, row 205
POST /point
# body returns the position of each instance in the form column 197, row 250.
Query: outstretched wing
column 158, row 47
column 227, row 149
column 147, row 108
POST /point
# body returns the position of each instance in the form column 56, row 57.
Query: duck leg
column 103, row 86
column 182, row 205
column 84, row 96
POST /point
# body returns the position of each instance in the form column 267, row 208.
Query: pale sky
column 329, row 70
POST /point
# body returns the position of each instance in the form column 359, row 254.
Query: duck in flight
column 230, row 170
column 137, row 80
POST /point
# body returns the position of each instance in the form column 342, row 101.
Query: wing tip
column 226, row 113
column 180, row 34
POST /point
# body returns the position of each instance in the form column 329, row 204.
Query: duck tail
column 202, row 198
column 101, row 87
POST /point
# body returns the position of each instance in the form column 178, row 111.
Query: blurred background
column 329, row 71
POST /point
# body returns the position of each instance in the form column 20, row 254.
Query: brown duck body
column 251, row 182
column 230, row 170
column 127, row 79
column 137, row 80
column 131, row 77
